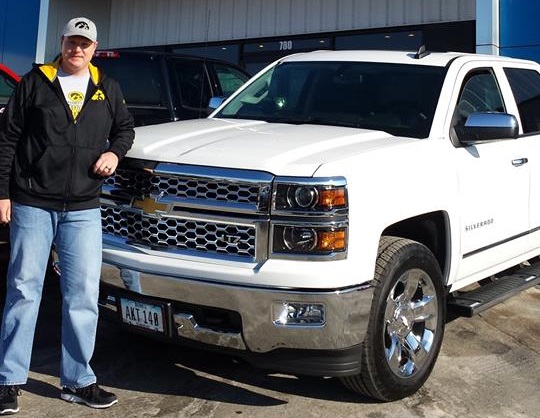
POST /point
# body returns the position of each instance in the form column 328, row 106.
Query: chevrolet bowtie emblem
column 149, row 206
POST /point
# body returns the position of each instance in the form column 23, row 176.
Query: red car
column 8, row 80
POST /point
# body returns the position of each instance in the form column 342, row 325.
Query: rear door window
column 141, row 87
column 525, row 85
column 193, row 83
column 229, row 78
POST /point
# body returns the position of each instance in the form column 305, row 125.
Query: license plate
column 142, row 315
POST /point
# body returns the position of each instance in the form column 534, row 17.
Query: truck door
column 493, row 182
column 525, row 86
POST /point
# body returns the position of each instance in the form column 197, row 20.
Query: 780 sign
column 285, row 45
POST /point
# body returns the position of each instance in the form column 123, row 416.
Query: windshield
column 396, row 98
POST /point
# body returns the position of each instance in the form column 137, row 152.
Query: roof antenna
column 421, row 53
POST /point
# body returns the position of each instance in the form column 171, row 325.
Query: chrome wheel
column 411, row 323
column 406, row 324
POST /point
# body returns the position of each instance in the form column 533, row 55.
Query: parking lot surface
column 489, row 366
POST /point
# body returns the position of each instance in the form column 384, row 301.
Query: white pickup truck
column 326, row 217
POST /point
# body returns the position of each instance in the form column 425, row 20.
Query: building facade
column 252, row 33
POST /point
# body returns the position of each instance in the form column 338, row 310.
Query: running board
column 477, row 300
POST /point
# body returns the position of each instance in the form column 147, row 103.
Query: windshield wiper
column 302, row 121
column 297, row 121
column 315, row 121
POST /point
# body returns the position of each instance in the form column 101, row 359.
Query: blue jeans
column 77, row 239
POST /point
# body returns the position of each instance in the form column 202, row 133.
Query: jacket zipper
column 67, row 191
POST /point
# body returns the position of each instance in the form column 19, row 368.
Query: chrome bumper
column 346, row 311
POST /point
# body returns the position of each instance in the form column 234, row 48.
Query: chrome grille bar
column 178, row 208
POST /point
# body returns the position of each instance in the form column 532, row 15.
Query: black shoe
column 91, row 395
column 8, row 399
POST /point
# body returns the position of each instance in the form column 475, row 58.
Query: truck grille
column 180, row 234
column 184, row 187
column 209, row 214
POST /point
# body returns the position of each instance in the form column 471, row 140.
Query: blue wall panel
column 19, row 21
column 519, row 33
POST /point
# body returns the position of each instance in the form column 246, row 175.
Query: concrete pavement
column 489, row 366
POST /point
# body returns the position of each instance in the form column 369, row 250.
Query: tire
column 406, row 324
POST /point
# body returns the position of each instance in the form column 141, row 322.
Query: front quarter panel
column 390, row 185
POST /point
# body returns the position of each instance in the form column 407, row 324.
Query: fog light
column 298, row 314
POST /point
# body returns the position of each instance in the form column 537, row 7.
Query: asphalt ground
column 489, row 366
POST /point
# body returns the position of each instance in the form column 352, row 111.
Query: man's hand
column 5, row 211
column 106, row 164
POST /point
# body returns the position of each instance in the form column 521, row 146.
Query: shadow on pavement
column 136, row 363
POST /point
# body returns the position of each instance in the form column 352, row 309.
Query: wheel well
column 429, row 229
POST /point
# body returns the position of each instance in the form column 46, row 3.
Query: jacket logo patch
column 98, row 95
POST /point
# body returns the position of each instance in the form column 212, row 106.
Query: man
column 65, row 129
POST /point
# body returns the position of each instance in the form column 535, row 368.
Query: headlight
column 309, row 195
column 309, row 218
column 302, row 196
column 299, row 239
column 313, row 239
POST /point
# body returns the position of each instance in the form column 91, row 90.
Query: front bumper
column 238, row 319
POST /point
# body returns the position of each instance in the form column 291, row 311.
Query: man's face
column 77, row 51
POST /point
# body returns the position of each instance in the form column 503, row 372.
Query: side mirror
column 214, row 103
column 488, row 126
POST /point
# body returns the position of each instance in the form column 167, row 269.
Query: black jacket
column 46, row 156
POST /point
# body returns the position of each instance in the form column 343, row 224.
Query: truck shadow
column 213, row 376
column 134, row 362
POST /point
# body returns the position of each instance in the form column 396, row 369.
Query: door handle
column 519, row 161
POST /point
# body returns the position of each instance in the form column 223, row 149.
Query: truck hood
column 281, row 149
